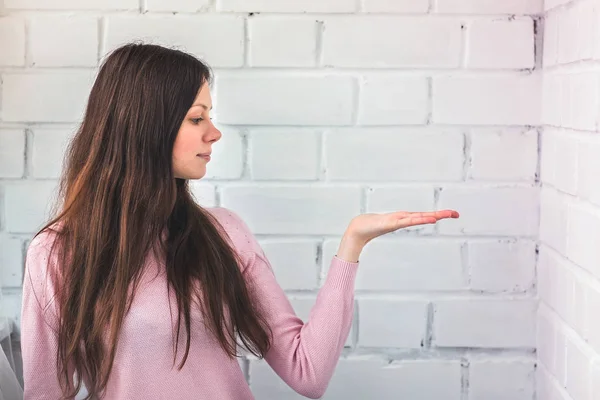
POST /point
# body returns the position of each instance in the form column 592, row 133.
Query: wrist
column 350, row 248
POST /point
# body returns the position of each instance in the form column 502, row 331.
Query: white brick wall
column 487, row 99
column 12, row 41
column 371, row 46
column 484, row 323
column 78, row 37
column 501, row 44
column 502, row 379
column 330, row 108
column 282, row 42
column 255, row 99
column 568, row 333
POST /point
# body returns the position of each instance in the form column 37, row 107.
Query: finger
column 412, row 221
column 437, row 214
column 400, row 214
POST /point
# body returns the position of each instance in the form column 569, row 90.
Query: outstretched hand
column 367, row 227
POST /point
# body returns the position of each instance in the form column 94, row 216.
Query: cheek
column 186, row 144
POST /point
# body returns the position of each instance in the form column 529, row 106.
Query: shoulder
column 235, row 227
column 40, row 260
column 40, row 249
column 241, row 237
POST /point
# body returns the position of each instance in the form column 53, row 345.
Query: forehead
column 203, row 93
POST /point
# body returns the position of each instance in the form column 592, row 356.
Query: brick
column 504, row 155
column 294, row 263
column 553, row 219
column 552, row 99
column 48, row 151
column 282, row 42
column 591, row 323
column 547, row 388
column 12, row 41
column 294, row 210
column 565, row 169
column 193, row 34
column 501, row 379
column 501, row 44
column 283, row 100
column 583, row 236
column 302, row 149
column 579, row 368
column 393, row 100
column 392, row 323
column 514, row 210
column 556, row 365
column 588, row 168
column 489, row 6
column 72, row 4
column 550, row 4
column 265, row 383
column 11, row 262
column 399, row 6
column 406, row 198
column 555, row 283
column 545, row 270
column 560, row 358
column 394, row 155
column 227, row 160
column 204, row 193
column 582, row 18
column 578, row 304
column 484, row 323
column 287, row 6
column 550, row 40
column 371, row 45
column 11, row 307
column 406, row 379
column 302, row 308
column 177, row 5
column 596, row 33
column 549, row 155
column 545, row 341
column 78, row 38
column 583, row 100
column 567, row 30
column 502, row 265
column 595, row 379
column 12, row 153
column 564, row 89
column 487, row 100
column 27, row 205
column 359, row 378
column 408, row 264
column 25, row 96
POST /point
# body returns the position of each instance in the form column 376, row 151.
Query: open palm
column 367, row 227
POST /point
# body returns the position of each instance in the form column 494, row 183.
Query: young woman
column 143, row 294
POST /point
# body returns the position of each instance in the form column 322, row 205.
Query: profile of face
column 197, row 134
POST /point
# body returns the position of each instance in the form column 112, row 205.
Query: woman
column 142, row 293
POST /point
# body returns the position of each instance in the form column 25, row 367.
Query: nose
column 213, row 135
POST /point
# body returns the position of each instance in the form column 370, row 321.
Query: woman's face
column 193, row 144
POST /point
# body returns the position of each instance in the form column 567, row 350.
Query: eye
column 196, row 121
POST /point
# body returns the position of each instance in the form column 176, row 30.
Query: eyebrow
column 201, row 105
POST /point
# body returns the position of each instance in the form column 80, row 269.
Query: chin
column 191, row 175
column 195, row 176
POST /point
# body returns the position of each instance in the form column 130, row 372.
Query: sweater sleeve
column 38, row 328
column 304, row 355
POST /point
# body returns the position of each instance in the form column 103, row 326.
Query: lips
column 205, row 156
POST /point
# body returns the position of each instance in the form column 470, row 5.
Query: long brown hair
column 119, row 201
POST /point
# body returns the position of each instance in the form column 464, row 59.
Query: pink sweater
column 304, row 355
